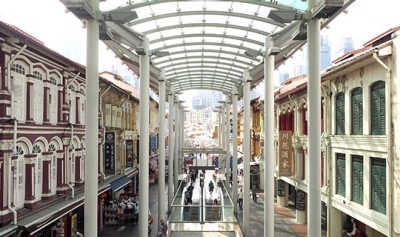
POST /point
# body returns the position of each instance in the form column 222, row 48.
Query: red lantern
column 103, row 196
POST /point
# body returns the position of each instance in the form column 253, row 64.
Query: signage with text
column 286, row 156
column 129, row 153
column 109, row 153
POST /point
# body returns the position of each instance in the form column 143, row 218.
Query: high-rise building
column 344, row 46
column 326, row 57
column 206, row 99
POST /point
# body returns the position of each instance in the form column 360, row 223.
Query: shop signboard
column 281, row 188
column 129, row 153
column 300, row 200
column 286, row 156
column 153, row 143
column 109, row 153
column 74, row 225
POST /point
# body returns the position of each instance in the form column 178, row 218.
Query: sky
column 47, row 21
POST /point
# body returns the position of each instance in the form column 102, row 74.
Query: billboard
column 129, row 153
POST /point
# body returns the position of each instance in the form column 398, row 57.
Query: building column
column 227, row 143
column 161, row 154
column 170, row 149
column 91, row 124
column 314, row 118
column 282, row 200
column 234, row 147
column 181, row 137
column 144, row 138
column 176, row 165
column 246, row 155
column 335, row 224
column 269, row 146
column 222, row 157
column 301, row 214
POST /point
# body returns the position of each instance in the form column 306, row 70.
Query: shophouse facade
column 42, row 152
column 359, row 165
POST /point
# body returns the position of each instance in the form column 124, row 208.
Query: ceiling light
column 160, row 53
column 253, row 53
column 120, row 16
column 285, row 16
column 326, row 8
column 274, row 51
column 140, row 51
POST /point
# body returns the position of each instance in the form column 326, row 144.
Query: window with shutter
column 357, row 179
column 53, row 100
column 114, row 116
column 72, row 105
column 18, row 87
column 119, row 117
column 340, row 110
column 357, row 111
column 38, row 99
column 341, row 174
column 378, row 185
column 378, row 117
column 107, row 115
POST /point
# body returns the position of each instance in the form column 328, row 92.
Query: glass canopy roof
column 206, row 41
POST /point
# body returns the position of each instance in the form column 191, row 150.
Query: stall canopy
column 119, row 183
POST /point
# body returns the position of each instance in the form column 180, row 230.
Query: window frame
column 357, row 111
column 340, row 128
column 376, row 92
column 341, row 174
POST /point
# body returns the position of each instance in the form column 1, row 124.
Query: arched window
column 340, row 112
column 38, row 96
column 357, row 111
column 53, row 99
column 378, row 104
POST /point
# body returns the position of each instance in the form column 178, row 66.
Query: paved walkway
column 285, row 221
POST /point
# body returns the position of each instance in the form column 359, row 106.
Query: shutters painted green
column 341, row 174
column 357, row 111
column 378, row 108
column 378, row 185
column 340, row 125
column 357, row 179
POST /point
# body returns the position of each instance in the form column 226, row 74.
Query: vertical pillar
column 314, row 129
column 335, row 226
column 234, row 147
column 176, row 117
column 170, row 150
column 181, row 133
column 227, row 143
column 144, row 138
column 92, row 124
column 223, row 137
column 161, row 155
column 29, row 102
column 269, row 161
column 246, row 155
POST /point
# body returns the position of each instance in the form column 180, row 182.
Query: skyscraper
column 326, row 57
column 345, row 45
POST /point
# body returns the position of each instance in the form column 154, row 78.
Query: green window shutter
column 357, row 179
column 357, row 112
column 341, row 174
column 378, row 118
column 378, row 185
column 340, row 110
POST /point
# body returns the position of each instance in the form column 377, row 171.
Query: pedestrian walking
column 240, row 198
column 254, row 193
column 211, row 187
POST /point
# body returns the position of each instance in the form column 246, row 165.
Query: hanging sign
column 286, row 156
column 109, row 153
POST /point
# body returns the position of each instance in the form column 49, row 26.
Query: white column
column 223, row 137
column 314, row 128
column 92, row 124
column 161, row 155
column 246, row 155
column 219, row 131
column 181, row 136
column 227, row 143
column 176, row 144
column 170, row 150
column 269, row 163
column 234, row 147
column 144, row 139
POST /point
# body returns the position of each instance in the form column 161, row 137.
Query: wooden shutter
column 107, row 115
column 357, row 112
column 357, row 179
column 378, row 185
column 38, row 97
column 341, row 174
column 114, row 116
column 119, row 117
column 53, row 102
column 19, row 93
column 378, row 117
column 72, row 107
column 340, row 109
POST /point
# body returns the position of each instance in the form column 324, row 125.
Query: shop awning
column 119, row 183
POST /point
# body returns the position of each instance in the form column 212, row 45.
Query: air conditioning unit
column 326, row 8
column 80, row 8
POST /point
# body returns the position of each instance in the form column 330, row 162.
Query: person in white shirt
column 240, row 198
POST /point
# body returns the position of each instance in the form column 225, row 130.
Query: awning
column 119, row 183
